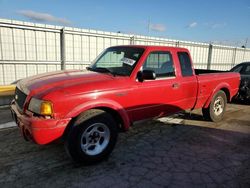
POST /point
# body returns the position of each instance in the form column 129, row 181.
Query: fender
column 101, row 103
column 222, row 85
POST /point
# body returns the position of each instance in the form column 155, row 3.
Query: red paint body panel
column 40, row 130
column 73, row 92
column 211, row 83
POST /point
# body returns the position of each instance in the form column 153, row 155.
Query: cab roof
column 151, row 47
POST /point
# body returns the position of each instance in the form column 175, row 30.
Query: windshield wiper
column 101, row 69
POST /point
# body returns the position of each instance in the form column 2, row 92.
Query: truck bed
column 210, row 80
column 205, row 71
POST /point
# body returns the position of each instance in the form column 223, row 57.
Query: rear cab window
column 185, row 63
column 161, row 63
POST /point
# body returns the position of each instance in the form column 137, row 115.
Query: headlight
column 40, row 107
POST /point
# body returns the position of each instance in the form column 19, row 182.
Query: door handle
column 176, row 85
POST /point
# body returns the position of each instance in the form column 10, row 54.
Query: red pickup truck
column 123, row 85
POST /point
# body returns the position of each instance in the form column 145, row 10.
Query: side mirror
column 146, row 75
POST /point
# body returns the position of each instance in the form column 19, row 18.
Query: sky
column 225, row 22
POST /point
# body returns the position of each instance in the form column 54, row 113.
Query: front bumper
column 41, row 131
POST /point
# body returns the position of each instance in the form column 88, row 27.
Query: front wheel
column 216, row 108
column 92, row 137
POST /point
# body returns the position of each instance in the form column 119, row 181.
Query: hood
column 44, row 83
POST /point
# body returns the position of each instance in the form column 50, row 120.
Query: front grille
column 20, row 98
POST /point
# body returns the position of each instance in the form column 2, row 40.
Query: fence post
column 209, row 59
column 132, row 40
column 62, row 46
column 234, row 57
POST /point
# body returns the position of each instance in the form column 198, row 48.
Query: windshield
column 117, row 60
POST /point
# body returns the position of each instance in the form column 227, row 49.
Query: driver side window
column 161, row 63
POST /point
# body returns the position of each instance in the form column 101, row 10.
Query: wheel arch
column 223, row 87
column 117, row 112
column 227, row 92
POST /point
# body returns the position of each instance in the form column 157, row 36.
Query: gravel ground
column 155, row 153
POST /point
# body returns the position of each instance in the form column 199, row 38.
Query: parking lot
column 182, row 151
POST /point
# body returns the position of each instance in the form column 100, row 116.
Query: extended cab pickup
column 123, row 85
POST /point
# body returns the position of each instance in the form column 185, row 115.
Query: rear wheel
column 216, row 108
column 92, row 137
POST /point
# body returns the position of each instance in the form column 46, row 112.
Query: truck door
column 189, row 86
column 159, row 96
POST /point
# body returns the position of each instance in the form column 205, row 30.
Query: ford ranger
column 123, row 85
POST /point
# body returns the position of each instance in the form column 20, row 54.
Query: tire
column 92, row 137
column 216, row 108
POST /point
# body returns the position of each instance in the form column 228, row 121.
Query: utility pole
column 246, row 42
column 149, row 27
column 245, row 49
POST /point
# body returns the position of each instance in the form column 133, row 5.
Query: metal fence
column 28, row 48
